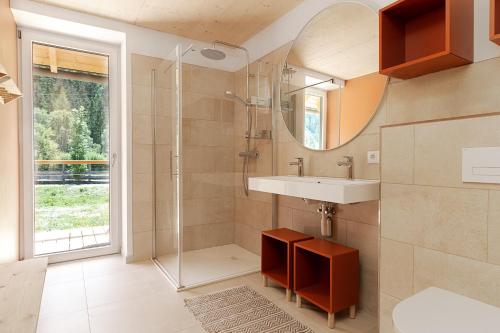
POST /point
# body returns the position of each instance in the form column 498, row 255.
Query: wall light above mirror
column 3, row 72
column 330, row 85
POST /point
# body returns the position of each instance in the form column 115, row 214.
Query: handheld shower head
column 231, row 94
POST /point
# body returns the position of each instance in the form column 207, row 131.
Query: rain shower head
column 212, row 53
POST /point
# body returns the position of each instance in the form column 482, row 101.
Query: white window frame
column 323, row 95
column 30, row 36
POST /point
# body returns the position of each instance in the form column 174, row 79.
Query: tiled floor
column 211, row 264
column 104, row 295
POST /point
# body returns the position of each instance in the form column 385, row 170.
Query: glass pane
column 312, row 130
column 313, row 102
column 71, row 149
column 166, row 164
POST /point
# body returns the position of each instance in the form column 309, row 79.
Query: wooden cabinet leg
column 331, row 320
column 289, row 295
column 299, row 301
column 265, row 283
column 352, row 312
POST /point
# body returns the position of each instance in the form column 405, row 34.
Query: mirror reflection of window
column 342, row 67
column 314, row 119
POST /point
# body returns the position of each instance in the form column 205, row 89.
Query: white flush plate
column 481, row 165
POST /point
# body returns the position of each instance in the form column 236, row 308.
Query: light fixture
column 8, row 89
column 3, row 72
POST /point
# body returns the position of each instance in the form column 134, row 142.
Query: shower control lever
column 249, row 154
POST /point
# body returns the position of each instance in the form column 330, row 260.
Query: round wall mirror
column 330, row 85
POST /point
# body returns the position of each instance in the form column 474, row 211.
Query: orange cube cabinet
column 495, row 21
column 419, row 37
column 277, row 256
column 327, row 275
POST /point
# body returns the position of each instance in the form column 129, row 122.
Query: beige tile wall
column 142, row 156
column 253, row 214
column 355, row 225
column 208, row 137
column 208, row 165
column 436, row 230
column 426, row 204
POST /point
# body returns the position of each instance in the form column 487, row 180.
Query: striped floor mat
column 242, row 310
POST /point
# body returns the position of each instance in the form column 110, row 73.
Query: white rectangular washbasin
column 337, row 190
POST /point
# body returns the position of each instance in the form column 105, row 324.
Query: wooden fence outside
column 65, row 175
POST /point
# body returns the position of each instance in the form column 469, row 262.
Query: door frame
column 28, row 37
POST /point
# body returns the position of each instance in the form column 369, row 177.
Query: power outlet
column 373, row 157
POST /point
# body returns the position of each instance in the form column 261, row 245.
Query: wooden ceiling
column 70, row 60
column 234, row 21
column 341, row 41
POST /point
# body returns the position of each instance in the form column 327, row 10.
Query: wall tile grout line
column 445, row 187
column 413, row 272
column 437, row 250
column 488, row 228
column 413, row 163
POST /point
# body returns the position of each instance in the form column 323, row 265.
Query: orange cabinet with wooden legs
column 277, row 256
column 327, row 275
column 495, row 21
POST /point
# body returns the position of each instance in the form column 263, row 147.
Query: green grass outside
column 62, row 207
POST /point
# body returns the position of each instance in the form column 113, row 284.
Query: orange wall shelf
column 419, row 37
column 495, row 21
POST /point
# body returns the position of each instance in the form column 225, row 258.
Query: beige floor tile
column 137, row 298
column 109, row 265
column 63, row 298
column 145, row 314
column 64, row 272
column 193, row 329
column 121, row 287
column 78, row 322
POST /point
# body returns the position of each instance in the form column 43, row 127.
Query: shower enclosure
column 197, row 130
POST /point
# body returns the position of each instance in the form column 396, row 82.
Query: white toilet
column 436, row 310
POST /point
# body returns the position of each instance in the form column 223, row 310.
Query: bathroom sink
column 338, row 190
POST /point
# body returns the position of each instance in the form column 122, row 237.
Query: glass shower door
column 167, row 183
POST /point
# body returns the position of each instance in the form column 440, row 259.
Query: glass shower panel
column 167, row 184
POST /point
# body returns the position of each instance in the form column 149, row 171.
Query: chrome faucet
column 300, row 166
column 347, row 162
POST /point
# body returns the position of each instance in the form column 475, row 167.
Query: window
column 314, row 119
